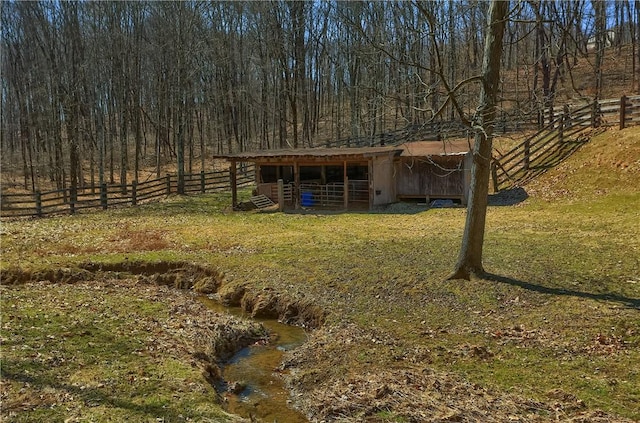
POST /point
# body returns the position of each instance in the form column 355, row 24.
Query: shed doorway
column 319, row 186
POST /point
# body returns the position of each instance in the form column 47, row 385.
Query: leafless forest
column 98, row 92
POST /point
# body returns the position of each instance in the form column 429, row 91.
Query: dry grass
column 555, row 335
column 108, row 350
column 610, row 164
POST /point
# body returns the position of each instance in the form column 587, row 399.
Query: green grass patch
column 90, row 352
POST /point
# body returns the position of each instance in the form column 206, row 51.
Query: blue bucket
column 306, row 198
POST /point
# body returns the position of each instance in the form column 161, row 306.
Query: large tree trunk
column 470, row 259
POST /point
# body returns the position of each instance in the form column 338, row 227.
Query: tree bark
column 601, row 40
column 470, row 258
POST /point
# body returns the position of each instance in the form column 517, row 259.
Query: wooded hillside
column 95, row 92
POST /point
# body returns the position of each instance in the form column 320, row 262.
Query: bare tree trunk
column 637, row 45
column 601, row 36
column 470, row 258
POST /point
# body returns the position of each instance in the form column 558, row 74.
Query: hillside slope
column 608, row 164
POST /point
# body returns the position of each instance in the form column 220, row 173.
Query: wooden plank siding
column 432, row 177
column 373, row 176
column 382, row 181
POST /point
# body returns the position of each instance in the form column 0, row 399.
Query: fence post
column 134, row 193
column 202, row 181
column 38, row 196
column 623, row 111
column 103, row 195
column 494, row 175
column 233, row 179
column 527, row 154
column 280, row 194
column 594, row 114
column 73, row 197
column 563, row 120
column 168, row 184
column 346, row 192
column 540, row 118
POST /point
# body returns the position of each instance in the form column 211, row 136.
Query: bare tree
column 599, row 7
column 89, row 83
column 470, row 257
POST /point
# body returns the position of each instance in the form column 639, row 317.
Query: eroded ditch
column 250, row 384
column 243, row 367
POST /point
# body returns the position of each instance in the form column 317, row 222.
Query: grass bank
column 554, row 334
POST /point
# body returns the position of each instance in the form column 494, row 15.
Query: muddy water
column 260, row 391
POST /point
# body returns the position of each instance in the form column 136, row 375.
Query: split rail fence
column 539, row 152
column 561, row 138
column 62, row 201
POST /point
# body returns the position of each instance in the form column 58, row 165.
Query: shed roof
column 435, row 148
column 312, row 152
column 409, row 149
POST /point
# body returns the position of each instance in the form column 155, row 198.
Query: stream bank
column 253, row 385
column 240, row 361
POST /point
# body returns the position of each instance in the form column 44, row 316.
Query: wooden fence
column 438, row 130
column 561, row 138
column 539, row 152
column 66, row 201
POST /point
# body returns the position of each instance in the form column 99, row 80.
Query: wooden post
column 346, row 193
column 494, row 178
column 563, row 119
column 346, row 186
column 594, row 114
column 202, row 181
column 623, row 110
column 168, row 184
column 134, row 193
column 296, row 184
column 527, row 153
column 280, row 194
column 103, row 195
column 370, row 181
column 540, row 118
column 73, row 197
column 38, row 196
column 233, row 177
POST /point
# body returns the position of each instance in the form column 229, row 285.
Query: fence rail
column 68, row 201
column 561, row 138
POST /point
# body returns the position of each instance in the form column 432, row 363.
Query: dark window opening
column 358, row 172
column 271, row 174
column 311, row 173
column 321, row 174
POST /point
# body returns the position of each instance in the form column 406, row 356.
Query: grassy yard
column 556, row 329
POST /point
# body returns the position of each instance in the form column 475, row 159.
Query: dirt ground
column 408, row 391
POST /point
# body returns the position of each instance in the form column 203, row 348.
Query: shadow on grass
column 92, row 397
column 508, row 197
column 626, row 301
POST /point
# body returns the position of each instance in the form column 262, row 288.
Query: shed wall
column 431, row 177
column 383, row 184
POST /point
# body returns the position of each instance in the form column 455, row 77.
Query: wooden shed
column 358, row 178
column 434, row 170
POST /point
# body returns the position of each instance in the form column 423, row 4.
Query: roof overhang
column 312, row 154
column 436, row 148
column 409, row 149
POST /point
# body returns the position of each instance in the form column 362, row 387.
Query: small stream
column 262, row 393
